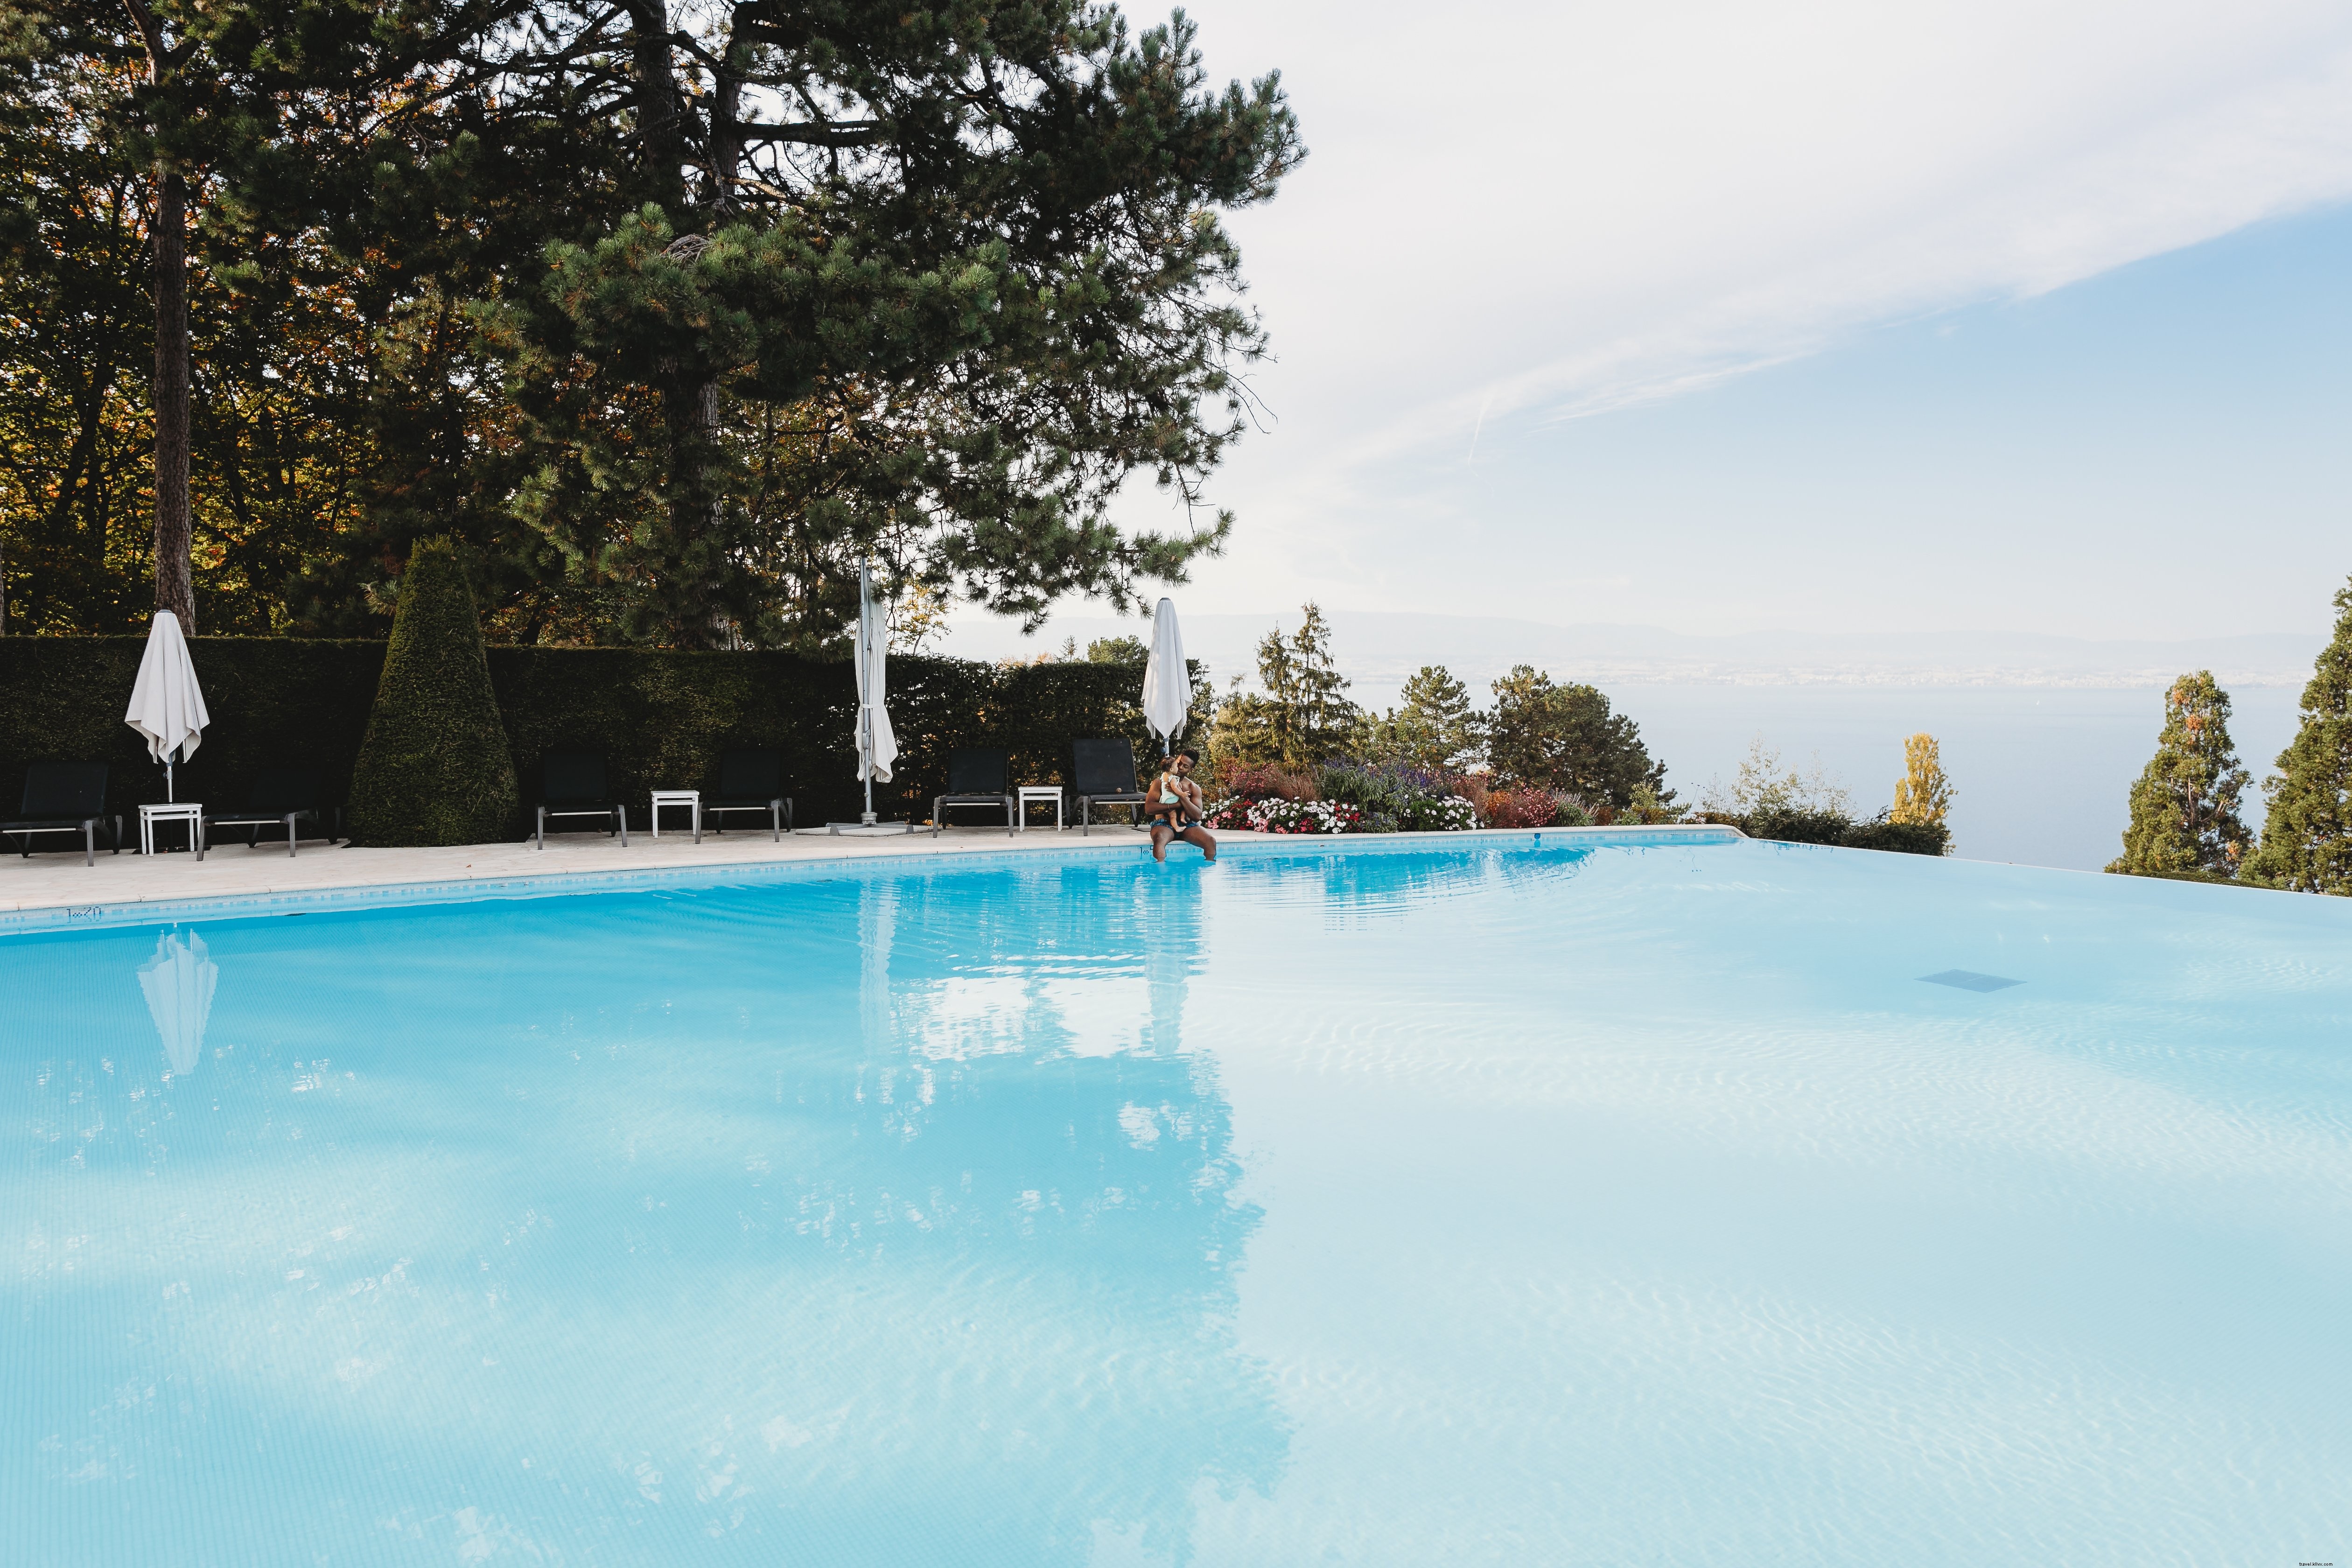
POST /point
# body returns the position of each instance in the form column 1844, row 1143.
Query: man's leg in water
column 1197, row 837
column 1160, row 833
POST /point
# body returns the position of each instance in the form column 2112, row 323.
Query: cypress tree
column 2306, row 843
column 2184, row 809
column 435, row 767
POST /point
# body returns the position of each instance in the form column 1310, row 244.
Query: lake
column 2043, row 775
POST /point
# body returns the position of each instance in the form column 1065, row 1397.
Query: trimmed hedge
column 1841, row 831
column 662, row 717
column 435, row 767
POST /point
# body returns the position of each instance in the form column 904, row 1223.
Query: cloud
column 1558, row 209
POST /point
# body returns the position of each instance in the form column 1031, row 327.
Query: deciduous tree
column 1923, row 795
column 1564, row 737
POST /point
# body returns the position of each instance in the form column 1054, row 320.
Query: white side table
column 689, row 798
column 1039, row 793
column 187, row 811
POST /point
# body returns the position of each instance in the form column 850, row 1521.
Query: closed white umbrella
column 1167, row 682
column 878, row 748
column 167, row 706
column 178, row 984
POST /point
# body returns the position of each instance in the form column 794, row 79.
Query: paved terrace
column 54, row 879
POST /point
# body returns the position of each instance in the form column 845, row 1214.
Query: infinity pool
column 1519, row 1202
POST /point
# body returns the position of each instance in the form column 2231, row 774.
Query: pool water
column 1514, row 1202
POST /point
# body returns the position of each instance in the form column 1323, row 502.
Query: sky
column 1728, row 318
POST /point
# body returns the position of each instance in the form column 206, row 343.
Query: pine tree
column 1923, row 795
column 2307, row 839
column 435, row 767
column 1304, row 718
column 1436, row 728
column 2184, row 809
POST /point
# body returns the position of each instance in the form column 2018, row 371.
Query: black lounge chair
column 975, row 777
column 751, row 780
column 65, row 797
column 572, row 783
column 280, row 798
column 1105, row 776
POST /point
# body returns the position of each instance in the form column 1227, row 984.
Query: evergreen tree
column 1565, row 737
column 1436, row 727
column 435, row 767
column 2307, row 838
column 1923, row 795
column 1118, row 651
column 2184, row 809
column 1304, row 718
column 667, row 316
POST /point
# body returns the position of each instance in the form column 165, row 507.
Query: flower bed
column 1425, row 814
column 1277, row 815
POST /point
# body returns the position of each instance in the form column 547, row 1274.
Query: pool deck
column 59, row 880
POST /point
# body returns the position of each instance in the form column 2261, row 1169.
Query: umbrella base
column 863, row 829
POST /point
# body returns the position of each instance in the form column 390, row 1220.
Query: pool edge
column 110, row 914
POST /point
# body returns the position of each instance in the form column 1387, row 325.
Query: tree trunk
column 174, row 571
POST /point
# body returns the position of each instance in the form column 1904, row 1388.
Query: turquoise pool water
column 1506, row 1203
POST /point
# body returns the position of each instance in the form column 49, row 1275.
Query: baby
column 1176, row 809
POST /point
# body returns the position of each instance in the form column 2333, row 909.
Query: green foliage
column 1646, row 808
column 662, row 716
column 1763, row 787
column 1395, row 799
column 274, row 701
column 1834, row 827
column 667, row 318
column 1564, row 738
column 435, row 767
column 1118, row 650
column 1437, row 726
column 2307, row 838
column 2184, row 809
column 1883, row 832
column 1303, row 718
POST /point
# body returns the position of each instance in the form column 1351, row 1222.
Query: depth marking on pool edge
column 1970, row 980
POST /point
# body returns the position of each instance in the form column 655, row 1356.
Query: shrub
column 1432, row 813
column 435, row 767
column 1901, row 838
column 662, row 715
column 1268, row 783
column 1798, row 825
column 1568, row 811
column 1276, row 815
column 1520, row 808
column 1376, row 791
column 1646, row 807
column 1792, row 825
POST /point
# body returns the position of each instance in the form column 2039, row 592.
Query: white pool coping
column 56, row 891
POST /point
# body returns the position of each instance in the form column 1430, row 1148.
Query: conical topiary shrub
column 435, row 767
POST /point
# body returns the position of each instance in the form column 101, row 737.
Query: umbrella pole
column 866, row 715
column 168, row 796
column 865, row 679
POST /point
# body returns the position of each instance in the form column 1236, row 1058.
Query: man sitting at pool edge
column 1175, row 807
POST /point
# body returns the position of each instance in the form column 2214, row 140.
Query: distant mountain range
column 1378, row 650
